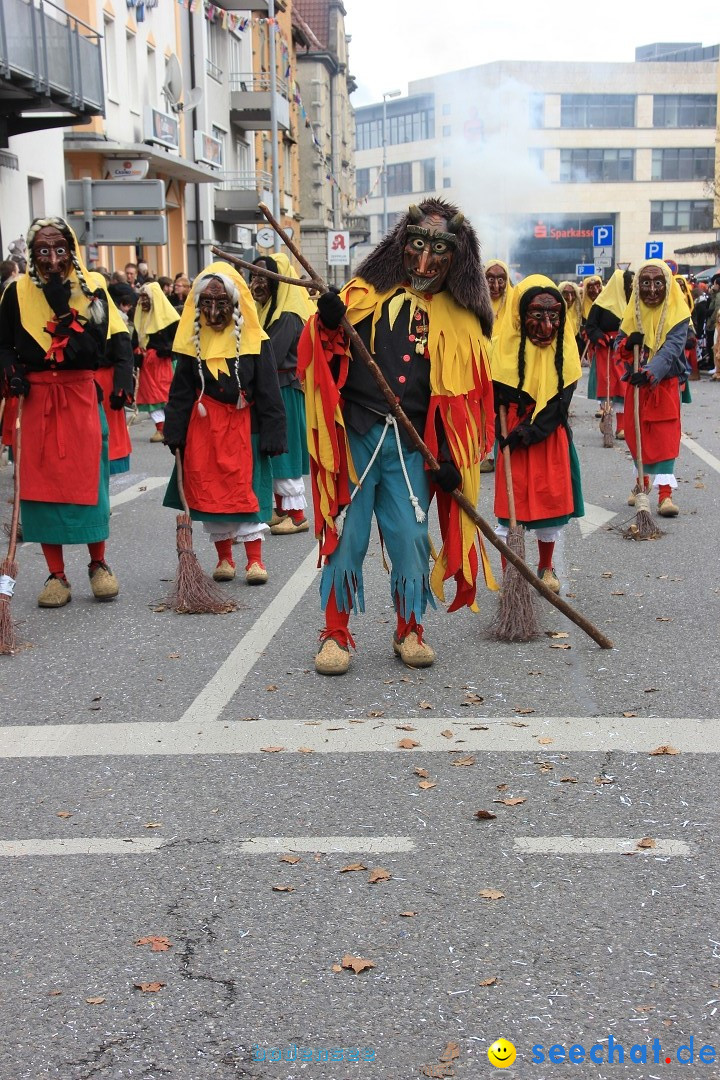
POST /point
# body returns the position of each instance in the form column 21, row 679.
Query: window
column 681, row 215
column 111, row 79
column 537, row 110
column 399, row 178
column 684, row 110
column 597, row 110
column 362, row 183
column 447, row 182
column 427, row 174
column 447, row 131
column 243, row 157
column 447, row 162
column 219, row 134
column 213, row 60
column 36, row 197
column 402, row 128
column 235, row 53
column 686, row 163
column 596, row 166
column 131, row 71
column 152, row 76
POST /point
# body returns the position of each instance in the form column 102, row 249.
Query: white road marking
column 135, row 490
column 698, row 450
column 597, row 845
column 257, row 845
column 576, row 734
column 211, row 701
column 595, row 518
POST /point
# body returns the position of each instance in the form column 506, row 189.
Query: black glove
column 19, row 386
column 118, row 400
column 447, row 476
column 519, row 436
column 636, row 338
column 331, row 309
column 639, row 378
column 57, row 294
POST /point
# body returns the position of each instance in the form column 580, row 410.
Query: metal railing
column 58, row 54
column 213, row 70
column 245, row 181
column 250, row 82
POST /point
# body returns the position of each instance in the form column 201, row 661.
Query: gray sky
column 394, row 41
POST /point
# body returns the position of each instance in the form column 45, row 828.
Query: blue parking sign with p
column 603, row 235
column 654, row 249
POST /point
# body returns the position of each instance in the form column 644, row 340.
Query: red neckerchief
column 60, row 334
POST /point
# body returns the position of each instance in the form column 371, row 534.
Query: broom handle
column 12, row 546
column 507, row 468
column 179, row 478
column 460, row 498
column 636, row 412
column 306, row 283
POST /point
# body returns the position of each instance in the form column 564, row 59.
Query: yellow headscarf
column 36, row 313
column 685, row 290
column 574, row 311
column 217, row 346
column 501, row 306
column 654, row 323
column 293, row 298
column 587, row 303
column 612, row 298
column 541, row 381
column 160, row 315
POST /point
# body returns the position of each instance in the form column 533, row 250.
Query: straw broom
column 644, row 527
column 516, row 616
column 9, row 567
column 193, row 592
column 606, row 423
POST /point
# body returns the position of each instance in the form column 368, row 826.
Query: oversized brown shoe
column 620, row 435
column 104, row 584
column 276, row 518
column 157, row 436
column 487, row 464
column 55, row 594
column 286, row 526
column 413, row 652
column 550, row 578
column 332, row 659
column 667, row 508
column 256, row 574
column 224, row 571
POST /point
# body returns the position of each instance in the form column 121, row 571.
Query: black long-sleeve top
column 552, row 416
column 284, row 334
column 258, row 379
column 600, row 321
column 20, row 352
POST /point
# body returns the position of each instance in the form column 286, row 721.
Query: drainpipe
column 273, row 119
column 199, row 256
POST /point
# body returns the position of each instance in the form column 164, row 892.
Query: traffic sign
column 584, row 269
column 116, row 195
column 265, row 237
column 122, row 229
column 338, row 248
column 603, row 257
column 603, row 235
column 654, row 249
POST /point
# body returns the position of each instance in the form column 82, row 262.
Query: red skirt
column 608, row 369
column 120, row 445
column 155, row 377
column 541, row 478
column 218, row 460
column 61, row 439
column 659, row 421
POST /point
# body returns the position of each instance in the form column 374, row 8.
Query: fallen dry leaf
column 283, row 888
column 518, row 723
column 421, row 772
column 427, row 784
column 356, row 964
column 568, row 779
column 152, row 825
column 646, row 842
column 545, row 766
column 353, row 866
column 664, row 749
column 502, row 787
column 379, row 874
column 563, row 646
column 448, row 734
column 650, row 690
column 629, row 714
column 484, row 815
column 405, row 727
column 290, row 859
column 618, row 592
column 158, row 944
column 480, row 727
column 63, row 814
column 556, row 634
column 305, row 750
column 491, row 894
column 361, row 721
column 173, row 656
column 336, row 967
column 54, row 993
column 488, row 982
column 699, row 484
column 600, row 780
column 271, row 688
column 424, row 705
column 545, row 740
column 271, row 749
column 607, row 574
column 407, row 744
column 408, row 914
column 511, row 802
column 149, row 987
column 524, row 712
column 463, row 761
column 451, row 1051
column 95, row 1000
column 473, row 699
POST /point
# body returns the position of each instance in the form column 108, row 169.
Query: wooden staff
column 394, row 407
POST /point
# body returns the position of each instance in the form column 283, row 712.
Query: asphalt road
column 156, row 768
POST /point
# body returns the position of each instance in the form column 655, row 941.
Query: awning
column 710, row 247
column 165, row 164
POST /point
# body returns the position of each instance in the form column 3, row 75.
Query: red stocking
column 224, row 551
column 97, row 553
column 545, row 554
column 336, row 622
column 253, row 553
column 54, row 558
column 406, row 626
column 664, row 492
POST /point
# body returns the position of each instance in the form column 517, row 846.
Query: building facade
column 537, row 154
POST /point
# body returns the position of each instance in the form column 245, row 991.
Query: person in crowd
column 691, row 345
column 655, row 323
column 500, row 286
column 125, row 299
column 226, row 417
column 155, row 325
column 180, row 290
column 8, row 272
column 535, row 369
column 283, row 311
column 573, row 302
column 131, row 273
column 712, row 332
column 54, row 333
column 143, row 273
column 421, row 305
column 166, row 285
column 601, row 327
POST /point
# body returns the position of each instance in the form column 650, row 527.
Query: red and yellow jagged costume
column 460, row 390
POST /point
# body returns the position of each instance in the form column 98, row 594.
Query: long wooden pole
column 460, row 498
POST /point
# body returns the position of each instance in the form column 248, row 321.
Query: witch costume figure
column 156, row 321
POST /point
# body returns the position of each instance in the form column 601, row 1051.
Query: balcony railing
column 245, row 181
column 251, row 82
column 51, row 53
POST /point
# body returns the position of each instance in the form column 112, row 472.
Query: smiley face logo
column 501, row 1054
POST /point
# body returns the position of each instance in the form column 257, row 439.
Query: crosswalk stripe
column 599, row 845
column 256, row 845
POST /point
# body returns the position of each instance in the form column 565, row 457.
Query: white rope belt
column 390, row 421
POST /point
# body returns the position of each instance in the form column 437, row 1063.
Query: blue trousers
column 384, row 493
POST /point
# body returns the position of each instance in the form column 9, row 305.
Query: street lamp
column 388, row 94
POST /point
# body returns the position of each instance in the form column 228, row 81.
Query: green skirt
column 296, row 462
column 70, row 523
column 262, row 486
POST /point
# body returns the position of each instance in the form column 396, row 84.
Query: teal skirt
column 70, row 523
column 296, row 462
column 262, row 486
